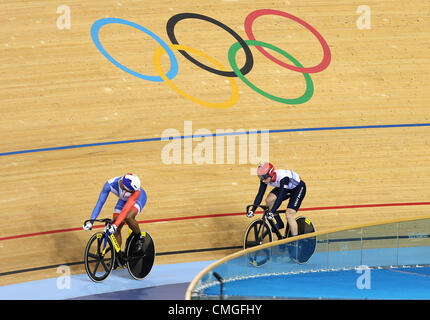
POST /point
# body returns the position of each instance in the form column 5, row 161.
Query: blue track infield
column 165, row 282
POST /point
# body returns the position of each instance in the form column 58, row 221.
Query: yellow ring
column 219, row 105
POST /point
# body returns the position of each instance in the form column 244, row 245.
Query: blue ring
column 95, row 28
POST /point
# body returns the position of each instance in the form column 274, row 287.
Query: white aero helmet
column 131, row 182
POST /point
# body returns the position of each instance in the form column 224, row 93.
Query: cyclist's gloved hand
column 111, row 228
column 250, row 214
column 270, row 216
column 87, row 226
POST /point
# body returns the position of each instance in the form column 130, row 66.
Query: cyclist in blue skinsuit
column 132, row 199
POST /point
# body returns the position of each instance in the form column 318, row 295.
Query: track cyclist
column 287, row 184
column 132, row 199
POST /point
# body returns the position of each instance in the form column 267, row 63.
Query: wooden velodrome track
column 58, row 90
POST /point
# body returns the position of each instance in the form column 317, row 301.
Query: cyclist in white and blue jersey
column 287, row 185
column 132, row 199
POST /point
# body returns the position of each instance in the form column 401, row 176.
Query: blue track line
column 214, row 135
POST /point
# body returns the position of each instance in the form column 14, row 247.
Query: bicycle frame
column 106, row 234
column 114, row 242
column 272, row 224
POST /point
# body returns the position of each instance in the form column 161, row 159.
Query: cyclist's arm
column 129, row 205
column 283, row 187
column 101, row 201
column 260, row 195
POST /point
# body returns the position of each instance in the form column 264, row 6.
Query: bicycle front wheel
column 258, row 233
column 99, row 259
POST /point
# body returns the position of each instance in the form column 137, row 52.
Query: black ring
column 249, row 62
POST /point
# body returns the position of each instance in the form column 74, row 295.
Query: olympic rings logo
column 221, row 70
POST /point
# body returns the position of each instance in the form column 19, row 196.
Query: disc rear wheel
column 139, row 263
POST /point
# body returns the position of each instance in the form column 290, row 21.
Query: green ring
column 309, row 84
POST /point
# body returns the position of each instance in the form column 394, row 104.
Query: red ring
column 258, row 13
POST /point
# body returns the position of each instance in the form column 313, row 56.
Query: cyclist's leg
column 134, row 225
column 273, row 196
column 290, row 214
column 270, row 201
column 297, row 196
column 131, row 220
column 132, row 213
column 118, row 234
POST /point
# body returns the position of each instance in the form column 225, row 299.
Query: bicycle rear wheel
column 302, row 250
column 139, row 263
column 98, row 261
column 258, row 233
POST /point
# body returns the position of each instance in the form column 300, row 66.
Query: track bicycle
column 260, row 231
column 102, row 249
